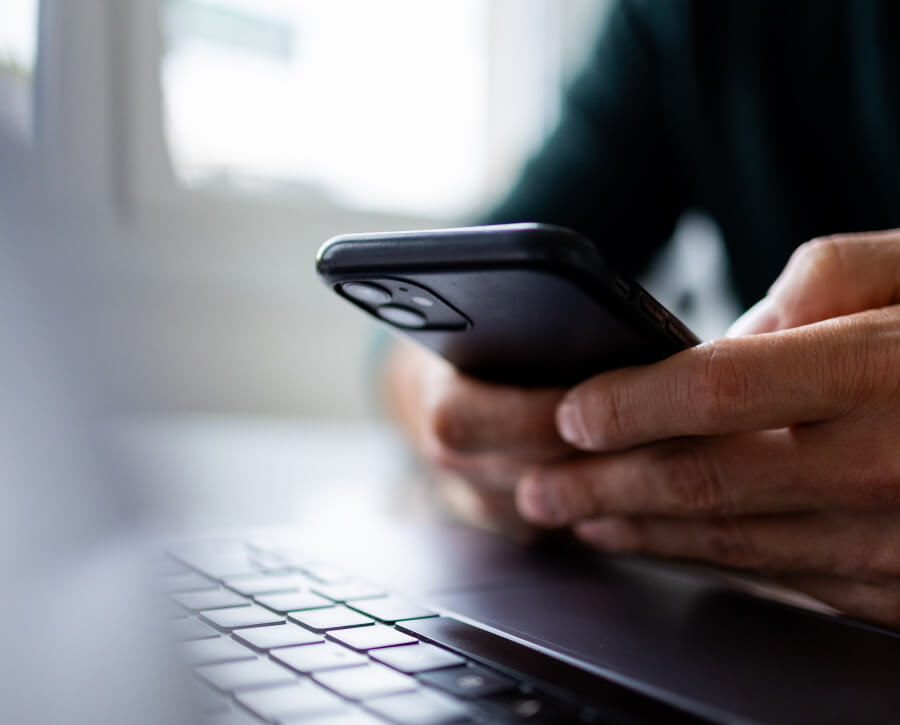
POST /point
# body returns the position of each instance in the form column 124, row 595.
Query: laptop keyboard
column 276, row 637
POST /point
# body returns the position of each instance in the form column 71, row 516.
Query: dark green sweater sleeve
column 608, row 168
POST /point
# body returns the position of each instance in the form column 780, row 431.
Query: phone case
column 523, row 304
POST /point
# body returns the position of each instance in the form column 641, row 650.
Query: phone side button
column 676, row 333
column 652, row 308
column 623, row 287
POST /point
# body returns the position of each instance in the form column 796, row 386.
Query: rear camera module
column 366, row 292
column 401, row 316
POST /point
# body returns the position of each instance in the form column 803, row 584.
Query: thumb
column 762, row 317
column 829, row 277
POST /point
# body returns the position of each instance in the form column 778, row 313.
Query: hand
column 777, row 451
column 480, row 437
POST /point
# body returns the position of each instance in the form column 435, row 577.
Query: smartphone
column 521, row 304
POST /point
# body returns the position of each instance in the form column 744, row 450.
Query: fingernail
column 538, row 503
column 571, row 425
column 609, row 534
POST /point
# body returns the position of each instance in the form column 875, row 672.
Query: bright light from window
column 18, row 43
column 379, row 104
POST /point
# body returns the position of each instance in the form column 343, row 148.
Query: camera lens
column 402, row 316
column 366, row 292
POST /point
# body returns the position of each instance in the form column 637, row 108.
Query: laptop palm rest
column 665, row 628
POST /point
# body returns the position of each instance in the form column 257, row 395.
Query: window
column 18, row 42
column 361, row 100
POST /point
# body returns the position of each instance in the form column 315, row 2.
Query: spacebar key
column 523, row 662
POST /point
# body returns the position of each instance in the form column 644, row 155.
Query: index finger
column 802, row 375
column 468, row 416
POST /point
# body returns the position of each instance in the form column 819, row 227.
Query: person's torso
column 786, row 120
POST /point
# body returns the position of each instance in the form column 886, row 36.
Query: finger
column 861, row 548
column 809, row 374
column 873, row 602
column 490, row 510
column 467, row 416
column 449, row 415
column 787, row 470
column 761, row 317
column 829, row 277
column 488, row 472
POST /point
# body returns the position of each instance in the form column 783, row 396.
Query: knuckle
column 445, row 423
column 718, row 388
column 693, row 484
column 861, row 353
column 821, row 259
column 876, row 352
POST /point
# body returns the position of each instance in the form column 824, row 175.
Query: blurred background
column 224, row 140
column 207, row 148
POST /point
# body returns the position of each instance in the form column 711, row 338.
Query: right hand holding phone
column 482, row 437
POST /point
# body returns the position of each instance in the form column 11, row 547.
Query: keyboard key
column 268, row 560
column 476, row 643
column 471, row 681
column 293, row 555
column 487, row 646
column 277, row 635
column 349, row 590
column 326, row 573
column 419, row 708
column 220, row 564
column 422, row 658
column 263, row 542
column 213, row 599
column 205, row 700
column 293, row 602
column 185, row 630
column 362, row 683
column 318, row 657
column 214, row 651
column 191, row 582
column 229, row 619
column 322, row 620
column 167, row 566
column 265, row 584
column 354, row 717
column 532, row 707
column 236, row 676
column 232, row 717
column 363, row 639
column 170, row 610
column 391, row 609
column 302, row 699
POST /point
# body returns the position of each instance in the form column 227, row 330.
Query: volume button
column 652, row 308
column 676, row 333
column 623, row 287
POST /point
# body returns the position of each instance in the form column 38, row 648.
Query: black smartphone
column 522, row 304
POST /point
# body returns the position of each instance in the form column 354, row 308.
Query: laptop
column 383, row 623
